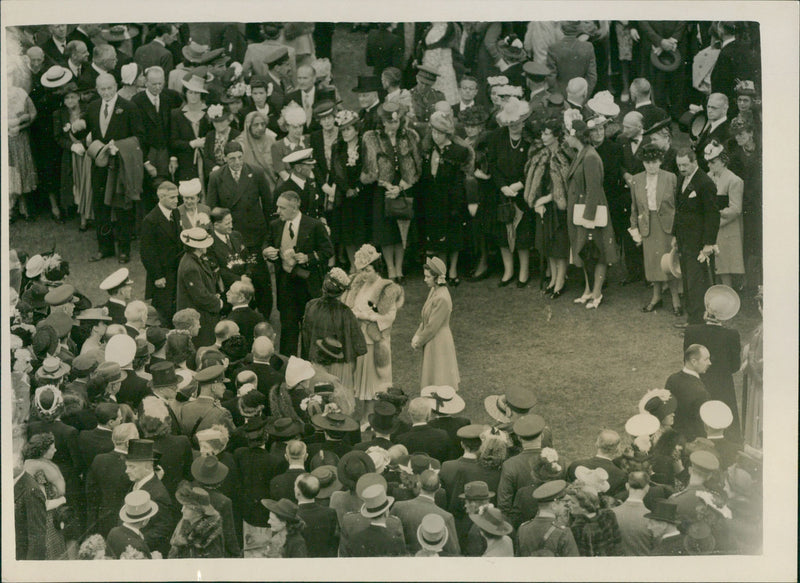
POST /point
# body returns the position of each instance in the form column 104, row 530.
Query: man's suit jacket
column 630, row 163
column 310, row 196
column 735, row 61
column 224, row 506
column 30, row 519
column 696, row 214
column 116, row 312
column 154, row 53
column 570, row 58
column 156, row 125
column 159, row 530
column 515, row 473
column 616, row 477
column 249, row 200
column 133, row 389
column 458, row 472
column 411, row 512
column 205, row 410
column 92, row 443
column 320, row 95
column 160, row 248
column 665, row 202
column 246, row 318
column 424, row 438
column 257, row 468
column 125, row 121
column 451, row 425
column 176, row 459
column 721, row 134
column 221, row 253
column 322, row 529
column 313, row 240
column 690, row 394
column 106, row 487
column 52, row 54
column 282, row 486
column 636, row 538
column 122, row 537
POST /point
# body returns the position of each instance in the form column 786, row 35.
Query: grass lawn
column 588, row 367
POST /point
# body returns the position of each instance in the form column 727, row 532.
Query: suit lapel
column 576, row 162
column 233, row 187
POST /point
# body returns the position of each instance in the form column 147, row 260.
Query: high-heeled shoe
column 505, row 282
column 583, row 299
column 554, row 295
column 453, row 281
column 651, row 307
column 594, row 303
column 546, row 284
column 677, row 312
column 522, row 284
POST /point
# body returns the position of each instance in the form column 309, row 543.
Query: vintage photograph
column 339, row 289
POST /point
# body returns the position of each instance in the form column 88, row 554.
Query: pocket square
column 693, row 194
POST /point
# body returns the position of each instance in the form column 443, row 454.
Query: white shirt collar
column 728, row 41
column 112, row 103
column 138, row 485
column 690, row 372
column 133, row 528
column 159, row 41
column 300, row 182
column 642, row 104
column 715, row 124
column 166, row 211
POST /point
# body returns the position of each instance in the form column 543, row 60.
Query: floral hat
column 603, row 104
column 514, row 111
column 345, row 118
column 218, row 112
column 366, row 255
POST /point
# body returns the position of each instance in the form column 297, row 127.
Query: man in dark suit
column 368, row 100
column 641, row 95
column 111, row 118
column 300, row 247
column 239, row 296
column 282, row 485
column 268, row 376
column 735, row 62
column 422, row 438
column 84, row 33
column 55, row 46
column 160, row 249
column 607, row 445
column 322, row 525
column 119, row 288
column 307, row 95
column 30, row 516
column 156, row 53
column 228, row 245
column 384, row 49
column 244, row 191
column 689, row 392
column 695, row 231
column 95, row 441
column 383, row 421
column 455, row 474
column 140, row 469
column 301, row 180
column 631, row 141
column 135, row 516
column 107, row 483
column 669, row 87
column 175, row 450
column 78, row 62
column 104, row 60
column 717, row 127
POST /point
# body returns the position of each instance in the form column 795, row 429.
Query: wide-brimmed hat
column 365, row 255
column 62, row 294
column 34, row 266
column 138, row 506
column 333, row 421
column 140, row 450
column 367, row 84
column 324, row 108
column 99, row 152
column 56, row 76
column 371, row 488
column 716, row 414
column 200, row 54
column 514, row 111
column 189, row 495
column 328, row 482
column 432, row 532
column 670, row 264
column 665, row 511
column 666, row 60
column 352, row 466
column 331, row 346
column 207, row 469
column 284, row 427
column 194, row 82
column 442, row 122
column 52, row 368
column 713, row 150
column 490, row 519
column 657, row 125
column 284, row 508
column 297, row 371
column 119, row 33
column 446, row 400
column 121, row 349
column 693, row 122
column 384, row 417
column 197, row 238
column 602, row 103
column 642, row 424
column 476, row 490
column 164, row 374
column 595, row 479
column 110, row 372
column 722, row 302
column 658, row 402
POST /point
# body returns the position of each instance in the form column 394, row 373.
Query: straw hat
column 432, row 533
column 56, row 76
column 490, row 519
column 722, row 302
column 670, row 264
column 194, row 82
column 138, row 506
column 446, row 400
column 197, row 238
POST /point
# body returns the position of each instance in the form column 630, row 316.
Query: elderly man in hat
column 208, row 474
column 119, row 287
column 724, row 348
column 206, row 410
column 663, row 524
column 301, row 180
column 372, row 537
column 198, row 285
column 690, row 392
column 140, row 469
column 545, row 531
column 160, row 248
column 322, row 525
column 606, row 449
column 367, row 91
column 300, row 248
column 516, row 471
column 135, row 516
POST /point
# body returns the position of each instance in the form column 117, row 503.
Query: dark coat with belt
column 249, row 200
column 322, row 529
column 197, row 288
column 221, row 253
column 106, row 487
column 160, row 248
column 30, row 519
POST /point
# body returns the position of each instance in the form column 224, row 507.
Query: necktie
column 156, row 103
column 105, row 111
column 291, row 230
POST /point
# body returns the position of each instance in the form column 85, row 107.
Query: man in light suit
column 244, row 191
column 160, row 249
column 156, row 53
column 300, row 247
column 111, row 118
column 694, row 232
column 411, row 512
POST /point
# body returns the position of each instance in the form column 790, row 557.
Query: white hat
column 197, row 237
column 642, row 424
column 128, row 73
column 56, row 76
column 432, row 533
column 716, row 414
column 34, row 266
column 513, row 111
column 297, row 371
column 305, row 155
column 722, row 302
column 603, row 104
column 116, row 279
column 121, row 349
column 138, row 506
column 445, row 399
column 190, row 187
column 294, row 115
column 596, row 479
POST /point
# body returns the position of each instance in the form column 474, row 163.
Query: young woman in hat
column 199, row 531
column 494, row 530
column 188, row 128
column 21, row 167
column 730, row 188
column 285, row 531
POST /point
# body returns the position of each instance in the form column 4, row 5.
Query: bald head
column 577, row 90
column 632, row 124
column 607, row 442
column 263, row 348
column 35, row 58
column 640, row 90
column 106, row 86
column 225, row 329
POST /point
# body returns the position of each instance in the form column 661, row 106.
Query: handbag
column 600, row 216
column 505, row 212
column 401, row 207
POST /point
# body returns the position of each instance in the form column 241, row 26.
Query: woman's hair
column 554, row 124
column 493, row 452
column 37, row 446
column 179, row 348
column 296, row 526
column 582, row 133
column 435, row 276
column 589, row 501
column 667, row 443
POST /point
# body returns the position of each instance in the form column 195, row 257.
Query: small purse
column 401, row 207
column 505, row 212
column 600, row 216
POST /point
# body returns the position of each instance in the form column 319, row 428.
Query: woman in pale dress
column 439, row 364
column 21, row 168
column 257, row 141
column 374, row 301
column 193, row 213
column 438, row 47
column 730, row 260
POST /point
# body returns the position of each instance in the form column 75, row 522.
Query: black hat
column 352, row 466
column 164, row 374
column 332, row 347
column 394, row 395
column 384, row 417
column 140, row 450
column 367, row 84
column 665, row 511
column 549, row 490
column 334, row 422
column 284, row 427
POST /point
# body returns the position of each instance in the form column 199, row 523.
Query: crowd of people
column 182, row 424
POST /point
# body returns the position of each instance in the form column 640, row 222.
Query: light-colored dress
column 441, row 59
column 439, row 364
column 21, row 167
column 729, row 238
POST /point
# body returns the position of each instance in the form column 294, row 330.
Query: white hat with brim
column 138, row 506
column 56, row 76
column 195, row 83
column 722, row 302
column 716, row 414
column 116, row 279
column 514, row 111
column 190, row 187
column 670, row 264
column 642, row 424
column 602, row 103
column 297, row 371
column 197, row 238
column 495, row 405
column 445, row 399
column 304, row 156
column 34, row 266
column 121, row 349
column 432, row 533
